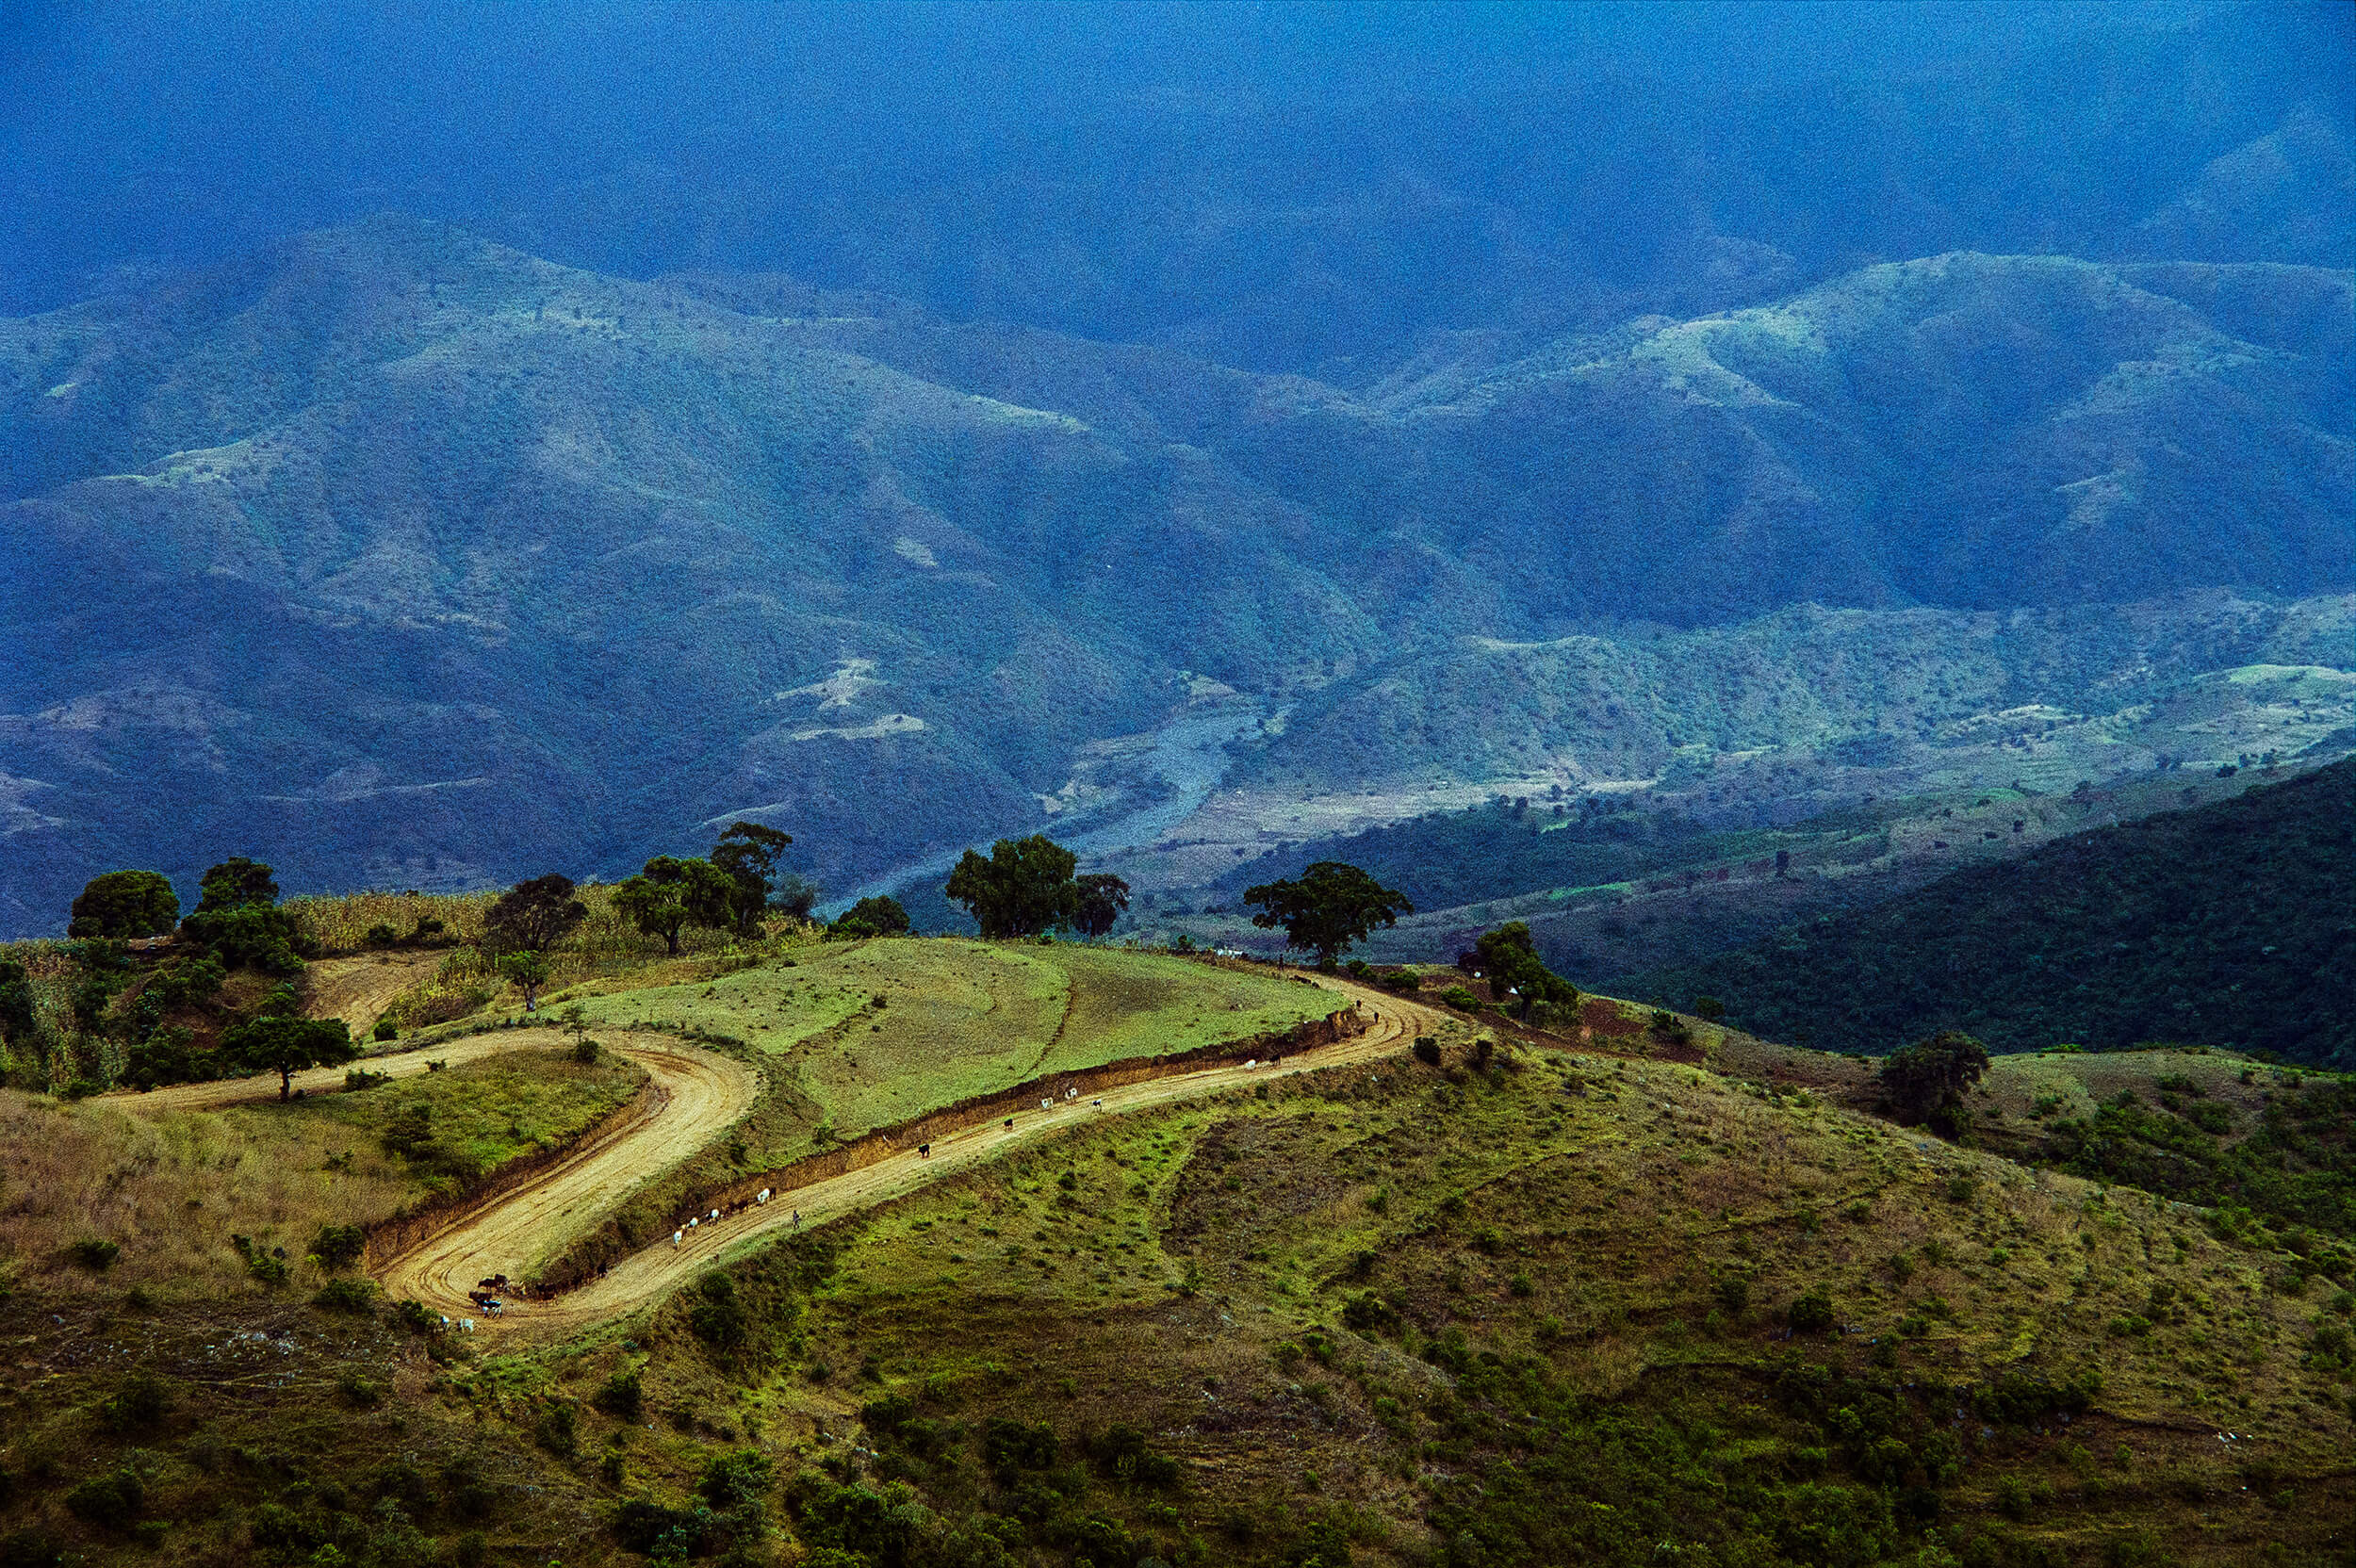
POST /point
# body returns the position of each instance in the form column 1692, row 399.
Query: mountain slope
column 2225, row 924
column 396, row 556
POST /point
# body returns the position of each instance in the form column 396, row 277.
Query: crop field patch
column 875, row 1034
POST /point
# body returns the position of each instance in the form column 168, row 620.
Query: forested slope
column 2230, row 924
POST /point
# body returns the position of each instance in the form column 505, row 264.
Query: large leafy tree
column 1025, row 888
column 529, row 969
column 125, row 904
column 1513, row 963
column 747, row 856
column 1925, row 1082
column 877, row 915
column 237, row 920
column 1330, row 906
column 286, row 1044
column 655, row 908
column 532, row 915
column 1102, row 898
column 237, row 883
column 671, row 893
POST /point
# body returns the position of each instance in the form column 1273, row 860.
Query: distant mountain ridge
column 400, row 556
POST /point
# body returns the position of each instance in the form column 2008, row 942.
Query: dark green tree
column 1104, row 897
column 532, row 915
column 237, row 883
column 671, row 893
column 124, row 904
column 1512, row 961
column 1332, row 905
column 656, row 908
column 878, row 915
column 286, row 1044
column 793, row 895
column 747, row 856
column 1023, row 889
column 1925, row 1082
column 529, row 971
column 237, row 920
column 16, row 1002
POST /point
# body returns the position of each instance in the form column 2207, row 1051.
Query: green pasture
column 867, row 1035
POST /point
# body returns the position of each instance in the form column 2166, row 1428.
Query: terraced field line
column 656, row 1272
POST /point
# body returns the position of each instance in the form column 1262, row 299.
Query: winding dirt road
column 696, row 1095
column 656, row 1270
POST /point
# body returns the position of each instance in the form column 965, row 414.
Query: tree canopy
column 1925, row 1082
column 1330, row 906
column 285, row 1044
column 237, row 883
column 532, row 915
column 877, row 915
column 1025, row 888
column 1513, row 963
column 747, row 856
column 125, row 904
column 671, row 893
column 1104, row 897
column 237, row 920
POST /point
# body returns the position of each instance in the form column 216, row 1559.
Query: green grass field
column 956, row 1018
column 873, row 1034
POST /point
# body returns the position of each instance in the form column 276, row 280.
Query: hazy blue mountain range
column 393, row 555
column 1289, row 188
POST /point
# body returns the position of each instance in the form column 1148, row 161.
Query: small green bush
column 622, row 1396
column 386, row 1029
column 1812, row 1314
column 141, row 1403
column 95, row 1253
column 110, row 1502
column 348, row 1296
column 339, row 1246
column 558, row 1431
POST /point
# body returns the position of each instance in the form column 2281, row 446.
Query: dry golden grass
column 171, row 1187
column 169, row 1191
column 340, row 923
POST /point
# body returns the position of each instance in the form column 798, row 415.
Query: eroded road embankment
column 696, row 1095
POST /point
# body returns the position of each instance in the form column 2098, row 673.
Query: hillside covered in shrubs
column 2230, row 924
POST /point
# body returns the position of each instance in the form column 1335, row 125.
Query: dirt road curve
column 661, row 1269
column 698, row 1095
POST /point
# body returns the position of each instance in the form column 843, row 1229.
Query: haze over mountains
column 399, row 556
column 1193, row 432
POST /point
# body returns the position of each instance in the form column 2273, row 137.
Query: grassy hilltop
column 1522, row 1297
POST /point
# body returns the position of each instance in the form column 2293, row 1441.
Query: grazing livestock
column 677, row 1236
column 924, row 1150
